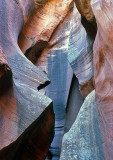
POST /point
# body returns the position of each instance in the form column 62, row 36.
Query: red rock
column 42, row 21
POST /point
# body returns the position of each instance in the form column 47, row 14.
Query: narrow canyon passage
column 56, row 80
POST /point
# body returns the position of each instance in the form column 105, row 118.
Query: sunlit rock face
column 42, row 21
column 103, row 60
column 21, row 102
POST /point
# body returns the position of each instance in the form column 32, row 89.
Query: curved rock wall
column 58, row 41
column 42, row 21
column 21, row 104
column 52, row 55
column 90, row 137
column 103, row 60
column 80, row 54
column 53, row 60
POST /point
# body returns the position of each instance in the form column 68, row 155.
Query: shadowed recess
column 35, row 141
column 90, row 27
column 41, row 86
column 5, row 78
column 87, row 17
column 34, row 52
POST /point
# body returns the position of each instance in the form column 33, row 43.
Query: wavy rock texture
column 80, row 54
column 49, row 33
column 90, row 137
column 29, row 145
column 84, row 139
column 103, row 60
column 43, row 20
column 21, row 104
column 50, row 53
column 53, row 60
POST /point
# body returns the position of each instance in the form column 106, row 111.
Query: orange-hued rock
column 88, row 19
column 103, row 66
column 84, row 7
column 42, row 21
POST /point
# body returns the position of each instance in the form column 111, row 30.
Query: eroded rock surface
column 34, row 142
column 21, row 104
column 90, row 137
column 84, row 140
column 103, row 60
column 80, row 54
column 51, row 54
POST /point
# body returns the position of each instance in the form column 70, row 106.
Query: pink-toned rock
column 103, row 60
column 42, row 21
column 21, row 103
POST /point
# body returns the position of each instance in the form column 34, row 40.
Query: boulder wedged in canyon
column 85, row 9
column 88, row 19
column 21, row 103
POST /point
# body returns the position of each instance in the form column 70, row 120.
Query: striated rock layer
column 51, row 57
column 84, row 140
column 90, row 137
column 34, row 142
column 50, row 52
column 80, row 54
column 21, row 104
column 42, row 21
column 103, row 60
